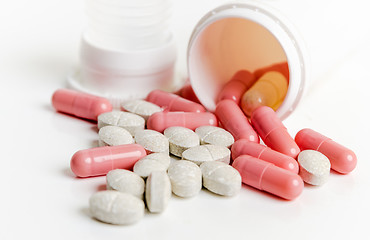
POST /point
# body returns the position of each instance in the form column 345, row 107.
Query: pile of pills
column 136, row 142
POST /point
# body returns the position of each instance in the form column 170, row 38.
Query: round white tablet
column 186, row 178
column 158, row 191
column 126, row 181
column 314, row 167
column 129, row 121
column 152, row 141
column 113, row 136
column 215, row 136
column 181, row 139
column 152, row 162
column 116, row 207
column 221, row 178
column 206, row 153
column 141, row 107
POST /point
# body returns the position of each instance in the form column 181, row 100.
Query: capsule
column 245, row 147
column 234, row 121
column 342, row 159
column 162, row 120
column 273, row 132
column 281, row 67
column 80, row 104
column 267, row 177
column 237, row 86
column 187, row 92
column 269, row 90
column 173, row 102
column 100, row 160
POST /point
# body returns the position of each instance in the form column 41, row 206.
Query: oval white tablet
column 141, row 107
column 152, row 141
column 186, row 178
column 113, row 136
column 152, row 162
column 129, row 121
column 116, row 207
column 221, row 178
column 125, row 181
column 314, row 167
column 181, row 139
column 158, row 191
column 206, row 153
column 215, row 136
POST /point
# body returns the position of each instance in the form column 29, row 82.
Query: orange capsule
column 282, row 67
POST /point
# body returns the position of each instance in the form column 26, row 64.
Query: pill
column 267, row 177
column 214, row 135
column 185, row 177
column 221, row 178
column 206, row 153
column 152, row 162
column 187, row 92
column 237, row 86
column 281, row 67
column 100, row 160
column 233, row 120
column 80, row 104
column 125, row 181
column 314, row 167
column 129, row 121
column 269, row 90
column 157, row 191
column 342, row 159
column 181, row 139
column 113, row 136
column 245, row 147
column 172, row 102
column 141, row 108
column 116, row 207
column 162, row 120
column 273, row 132
column 152, row 141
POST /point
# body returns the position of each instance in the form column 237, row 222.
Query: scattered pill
column 141, row 108
column 113, row 136
column 273, row 132
column 100, row 160
column 233, row 120
column 186, row 178
column 152, row 162
column 314, row 167
column 268, row 177
column 80, row 104
column 269, row 90
column 281, row 67
column 157, row 191
column 221, row 178
column 342, row 159
column 187, row 92
column 162, row 120
column 214, row 135
column 129, row 121
column 206, row 153
column 245, row 147
column 237, row 86
column 152, row 141
column 173, row 102
column 125, row 181
column 181, row 139
column 116, row 207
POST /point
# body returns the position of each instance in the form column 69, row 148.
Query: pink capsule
column 80, row 104
column 173, row 102
column 272, row 131
column 267, row 177
column 187, row 92
column 342, row 159
column 161, row 120
column 237, row 86
column 100, row 160
column 233, row 120
column 245, row 147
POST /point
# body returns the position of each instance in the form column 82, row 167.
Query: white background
column 41, row 198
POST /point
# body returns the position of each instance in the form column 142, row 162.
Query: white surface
column 41, row 199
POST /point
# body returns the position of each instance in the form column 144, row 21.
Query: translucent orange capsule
column 269, row 90
column 282, row 68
